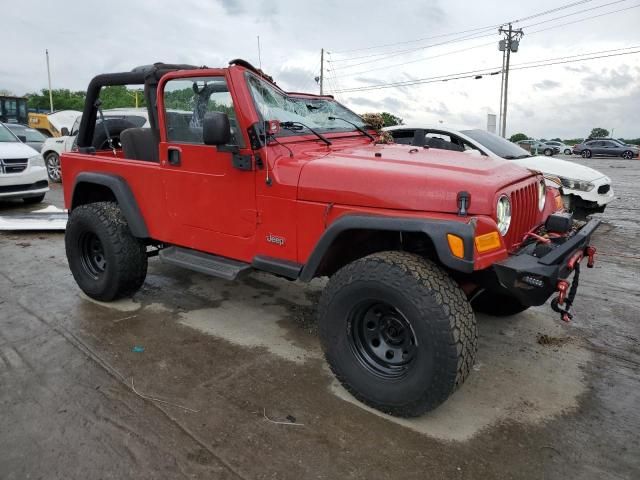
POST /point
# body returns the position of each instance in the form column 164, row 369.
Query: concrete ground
column 190, row 377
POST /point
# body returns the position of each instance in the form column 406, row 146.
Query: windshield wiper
column 300, row 126
column 361, row 130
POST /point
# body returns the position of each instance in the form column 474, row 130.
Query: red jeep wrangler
column 235, row 175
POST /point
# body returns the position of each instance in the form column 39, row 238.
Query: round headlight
column 503, row 214
column 542, row 194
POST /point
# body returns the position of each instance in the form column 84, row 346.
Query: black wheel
column 567, row 151
column 586, row 154
column 496, row 304
column 627, row 154
column 52, row 162
column 397, row 332
column 106, row 260
column 32, row 200
column 548, row 152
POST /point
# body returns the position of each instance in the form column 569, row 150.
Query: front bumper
column 533, row 279
column 31, row 182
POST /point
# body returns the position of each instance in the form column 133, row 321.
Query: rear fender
column 84, row 193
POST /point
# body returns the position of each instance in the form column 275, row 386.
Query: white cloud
column 561, row 100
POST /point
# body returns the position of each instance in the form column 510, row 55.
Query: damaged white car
column 584, row 190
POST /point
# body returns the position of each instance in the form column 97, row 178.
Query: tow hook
column 591, row 253
column 563, row 288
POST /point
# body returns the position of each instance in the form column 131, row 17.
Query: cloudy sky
column 567, row 100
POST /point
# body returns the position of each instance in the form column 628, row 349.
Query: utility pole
column 510, row 44
column 49, row 77
column 321, row 71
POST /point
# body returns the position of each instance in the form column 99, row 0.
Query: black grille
column 13, row 165
column 602, row 189
column 24, row 188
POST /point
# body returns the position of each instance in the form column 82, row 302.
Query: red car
column 252, row 178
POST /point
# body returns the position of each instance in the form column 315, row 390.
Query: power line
column 564, row 24
column 496, row 70
column 575, row 13
column 488, row 27
column 414, row 61
column 384, row 56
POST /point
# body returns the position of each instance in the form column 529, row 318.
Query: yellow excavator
column 53, row 124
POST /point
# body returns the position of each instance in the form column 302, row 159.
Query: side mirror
column 216, row 129
column 64, row 131
column 473, row 152
column 22, row 138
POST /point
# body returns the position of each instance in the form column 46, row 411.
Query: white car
column 117, row 120
column 22, row 172
column 584, row 190
column 563, row 147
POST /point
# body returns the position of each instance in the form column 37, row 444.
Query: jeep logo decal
column 280, row 241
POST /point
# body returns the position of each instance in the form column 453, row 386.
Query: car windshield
column 314, row 112
column 498, row 145
column 6, row 135
column 31, row 134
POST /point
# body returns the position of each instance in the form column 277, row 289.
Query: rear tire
column 497, row 305
column 567, row 151
column 397, row 332
column 106, row 260
column 586, row 154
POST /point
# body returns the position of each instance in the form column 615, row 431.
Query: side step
column 203, row 262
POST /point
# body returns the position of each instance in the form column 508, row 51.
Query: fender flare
column 436, row 230
column 124, row 196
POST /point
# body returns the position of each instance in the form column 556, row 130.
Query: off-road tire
column 123, row 256
column 440, row 318
column 33, row 200
column 496, row 304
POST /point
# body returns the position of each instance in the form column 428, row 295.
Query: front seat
column 139, row 144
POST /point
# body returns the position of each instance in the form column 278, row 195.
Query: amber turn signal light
column 488, row 241
column 456, row 245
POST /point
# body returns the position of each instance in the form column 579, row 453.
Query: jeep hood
column 406, row 178
column 558, row 167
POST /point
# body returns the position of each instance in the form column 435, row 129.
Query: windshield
column 498, row 145
column 31, row 134
column 273, row 104
column 6, row 135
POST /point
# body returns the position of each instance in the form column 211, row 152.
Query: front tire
column 627, row 154
column 52, row 162
column 106, row 260
column 397, row 332
column 548, row 152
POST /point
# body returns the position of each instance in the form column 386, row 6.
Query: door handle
column 174, row 157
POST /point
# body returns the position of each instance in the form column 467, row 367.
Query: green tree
column 390, row 119
column 599, row 133
column 63, row 99
column 518, row 137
